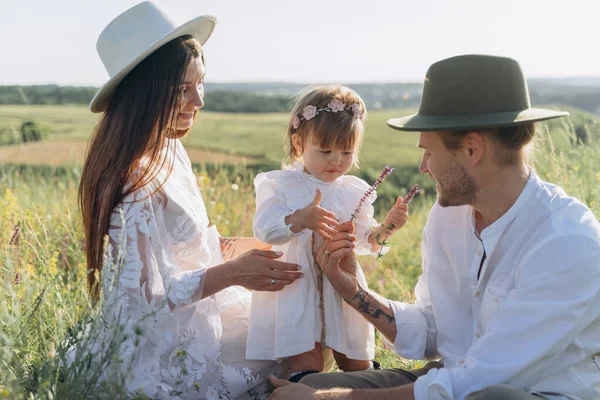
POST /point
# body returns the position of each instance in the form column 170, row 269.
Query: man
column 509, row 297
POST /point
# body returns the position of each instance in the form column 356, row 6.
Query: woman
column 165, row 288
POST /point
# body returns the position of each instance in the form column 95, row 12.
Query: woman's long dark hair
column 141, row 115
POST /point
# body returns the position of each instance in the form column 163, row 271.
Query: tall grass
column 44, row 305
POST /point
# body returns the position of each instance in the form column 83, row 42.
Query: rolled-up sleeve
column 556, row 296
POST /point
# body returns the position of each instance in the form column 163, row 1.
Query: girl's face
column 192, row 92
column 326, row 164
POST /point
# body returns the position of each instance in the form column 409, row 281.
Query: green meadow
column 43, row 301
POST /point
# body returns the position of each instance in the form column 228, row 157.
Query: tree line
column 276, row 96
column 222, row 100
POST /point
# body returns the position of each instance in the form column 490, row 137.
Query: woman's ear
column 297, row 143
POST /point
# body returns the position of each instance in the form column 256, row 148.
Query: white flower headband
column 309, row 112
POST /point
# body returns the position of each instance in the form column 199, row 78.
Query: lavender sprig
column 386, row 171
column 388, row 229
column 411, row 194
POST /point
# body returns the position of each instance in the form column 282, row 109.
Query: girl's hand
column 397, row 217
column 259, row 270
column 317, row 219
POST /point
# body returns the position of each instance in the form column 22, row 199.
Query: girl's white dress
column 288, row 322
column 193, row 349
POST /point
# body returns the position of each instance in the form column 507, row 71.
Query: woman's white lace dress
column 180, row 348
column 288, row 322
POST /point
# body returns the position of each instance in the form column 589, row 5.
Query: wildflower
column 14, row 240
column 411, row 194
column 386, row 171
column 235, row 187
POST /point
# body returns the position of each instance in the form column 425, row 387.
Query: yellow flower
column 52, row 264
column 29, row 269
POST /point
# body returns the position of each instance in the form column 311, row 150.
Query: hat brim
column 200, row 28
column 423, row 123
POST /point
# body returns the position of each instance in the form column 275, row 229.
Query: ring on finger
column 273, row 282
column 327, row 252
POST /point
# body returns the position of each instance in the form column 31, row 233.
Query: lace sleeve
column 138, row 247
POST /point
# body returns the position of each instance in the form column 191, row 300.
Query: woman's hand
column 313, row 217
column 259, row 270
column 233, row 247
column 336, row 258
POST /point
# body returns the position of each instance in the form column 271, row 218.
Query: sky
column 312, row 41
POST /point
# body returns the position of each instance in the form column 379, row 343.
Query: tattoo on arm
column 228, row 247
column 366, row 303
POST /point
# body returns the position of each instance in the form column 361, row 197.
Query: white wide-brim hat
column 134, row 35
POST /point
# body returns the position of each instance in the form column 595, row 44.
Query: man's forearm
column 376, row 310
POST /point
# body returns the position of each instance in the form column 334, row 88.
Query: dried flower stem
column 386, row 171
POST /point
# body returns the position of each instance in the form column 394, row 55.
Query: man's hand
column 336, row 258
column 288, row 390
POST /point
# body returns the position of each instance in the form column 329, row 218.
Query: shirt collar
column 498, row 226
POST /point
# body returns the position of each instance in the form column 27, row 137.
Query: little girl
column 314, row 194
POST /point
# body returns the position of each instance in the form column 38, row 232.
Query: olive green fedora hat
column 473, row 92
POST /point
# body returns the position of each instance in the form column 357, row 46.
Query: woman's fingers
column 266, row 253
column 275, row 285
column 282, row 266
column 285, row 275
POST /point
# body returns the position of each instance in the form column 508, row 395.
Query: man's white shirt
column 531, row 319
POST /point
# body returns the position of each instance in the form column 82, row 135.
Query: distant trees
column 223, row 101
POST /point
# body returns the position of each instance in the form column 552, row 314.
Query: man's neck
column 498, row 194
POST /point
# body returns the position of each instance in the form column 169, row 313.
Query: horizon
column 548, row 78
column 316, row 42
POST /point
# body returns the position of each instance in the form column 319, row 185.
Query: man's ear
column 474, row 146
column 297, row 143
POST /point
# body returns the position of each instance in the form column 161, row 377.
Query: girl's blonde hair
column 342, row 129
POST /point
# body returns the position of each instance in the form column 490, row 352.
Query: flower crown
column 309, row 112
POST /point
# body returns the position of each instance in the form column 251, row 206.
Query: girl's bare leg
column 347, row 364
column 310, row 361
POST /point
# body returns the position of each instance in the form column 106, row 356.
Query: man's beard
column 456, row 187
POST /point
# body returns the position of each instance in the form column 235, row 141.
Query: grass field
column 42, row 265
column 259, row 137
